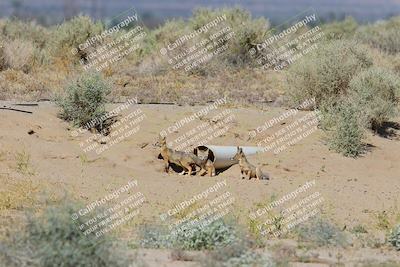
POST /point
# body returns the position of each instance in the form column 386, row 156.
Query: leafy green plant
column 85, row 101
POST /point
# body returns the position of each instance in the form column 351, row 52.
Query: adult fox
column 188, row 161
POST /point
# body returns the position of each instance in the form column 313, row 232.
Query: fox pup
column 182, row 159
column 248, row 170
column 205, row 164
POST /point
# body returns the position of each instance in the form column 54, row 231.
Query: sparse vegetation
column 53, row 239
column 216, row 234
column 17, row 194
column 22, row 161
column 394, row 237
column 321, row 232
column 237, row 254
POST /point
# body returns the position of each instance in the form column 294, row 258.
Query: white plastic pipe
column 222, row 155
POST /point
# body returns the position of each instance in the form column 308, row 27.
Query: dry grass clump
column 16, row 84
column 2, row 57
column 28, row 31
column 16, row 194
column 19, row 55
column 384, row 35
column 341, row 29
column 396, row 64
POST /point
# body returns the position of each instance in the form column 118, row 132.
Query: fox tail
column 261, row 175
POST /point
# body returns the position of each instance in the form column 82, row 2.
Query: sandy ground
column 354, row 190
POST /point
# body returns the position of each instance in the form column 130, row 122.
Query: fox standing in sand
column 182, row 159
column 205, row 164
column 247, row 169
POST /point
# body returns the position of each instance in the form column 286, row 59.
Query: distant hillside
column 49, row 11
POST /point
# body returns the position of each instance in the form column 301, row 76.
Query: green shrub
column 71, row 34
column 326, row 72
column 85, row 100
column 384, row 35
column 54, row 239
column 341, row 30
column 248, row 31
column 170, row 31
column 376, row 92
column 237, row 254
column 211, row 236
column 321, row 233
column 394, row 237
column 345, row 130
column 216, row 234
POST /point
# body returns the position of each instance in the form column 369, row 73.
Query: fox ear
column 238, row 148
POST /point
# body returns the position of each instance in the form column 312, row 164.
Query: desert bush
column 321, row 233
column 19, row 55
column 396, row 64
column 170, row 31
column 345, row 132
column 394, row 237
column 54, row 239
column 384, row 35
column 2, row 57
column 238, row 254
column 71, row 34
column 341, row 29
column 376, row 92
column 326, row 72
column 216, row 234
column 84, row 100
column 248, row 32
column 27, row 31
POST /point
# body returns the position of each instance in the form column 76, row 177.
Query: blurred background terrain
column 155, row 12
